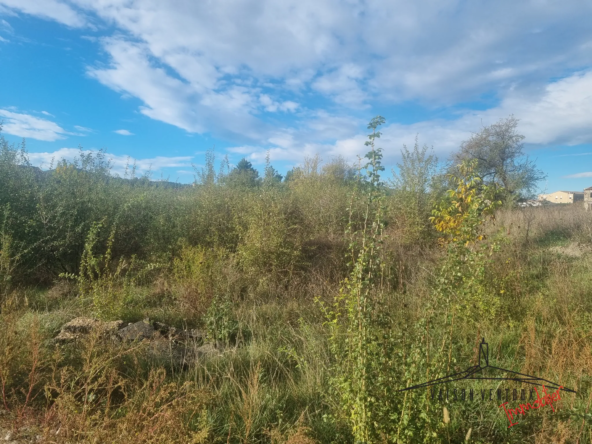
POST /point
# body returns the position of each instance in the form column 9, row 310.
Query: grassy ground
column 272, row 385
column 253, row 268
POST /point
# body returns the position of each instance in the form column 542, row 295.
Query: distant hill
column 139, row 181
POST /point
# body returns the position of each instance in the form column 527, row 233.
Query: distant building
column 588, row 198
column 563, row 197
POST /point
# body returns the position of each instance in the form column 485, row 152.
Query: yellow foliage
column 459, row 217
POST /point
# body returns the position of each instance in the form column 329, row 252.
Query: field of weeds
column 318, row 317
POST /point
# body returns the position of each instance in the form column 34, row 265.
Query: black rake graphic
column 469, row 374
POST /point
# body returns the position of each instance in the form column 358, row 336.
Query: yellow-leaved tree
column 461, row 214
column 462, row 279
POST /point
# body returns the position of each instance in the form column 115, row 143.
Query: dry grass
column 273, row 388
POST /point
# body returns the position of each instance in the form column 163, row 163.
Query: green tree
column 292, row 174
column 339, row 170
column 415, row 190
column 498, row 150
column 271, row 176
column 243, row 175
column 19, row 182
column 206, row 176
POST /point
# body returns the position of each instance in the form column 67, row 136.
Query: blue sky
column 162, row 82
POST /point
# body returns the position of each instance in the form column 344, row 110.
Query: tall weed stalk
column 360, row 337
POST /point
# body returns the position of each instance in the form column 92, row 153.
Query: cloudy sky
column 164, row 81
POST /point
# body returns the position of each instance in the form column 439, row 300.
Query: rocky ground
column 173, row 345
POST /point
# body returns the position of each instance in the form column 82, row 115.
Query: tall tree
column 271, row 176
column 498, row 150
column 415, row 189
column 207, row 175
column 243, row 175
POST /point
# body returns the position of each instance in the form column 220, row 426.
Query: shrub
column 271, row 240
column 199, row 275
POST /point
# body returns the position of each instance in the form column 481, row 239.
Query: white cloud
column 7, row 12
column 343, row 85
column 131, row 72
column 124, row 132
column 436, row 50
column 220, row 66
column 422, row 49
column 558, row 113
column 578, row 175
column 201, row 66
column 49, row 9
column 119, row 163
column 25, row 125
column 5, row 25
column 83, row 129
column 227, row 112
column 272, row 106
column 47, row 114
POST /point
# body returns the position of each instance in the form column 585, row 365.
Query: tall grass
column 246, row 265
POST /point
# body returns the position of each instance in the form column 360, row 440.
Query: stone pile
column 164, row 343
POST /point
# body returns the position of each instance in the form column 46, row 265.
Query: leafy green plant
column 6, row 256
column 271, row 176
column 12, row 253
column 360, row 337
column 460, row 215
column 221, row 323
column 198, row 275
column 462, row 278
column 108, row 289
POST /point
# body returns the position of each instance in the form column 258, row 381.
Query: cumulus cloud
column 557, row 114
column 227, row 112
column 221, row 56
column 435, row 50
column 230, row 67
column 272, row 106
column 25, row 125
column 56, row 10
column 118, row 163
column 124, row 132
column 343, row 85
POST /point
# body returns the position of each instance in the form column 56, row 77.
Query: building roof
column 564, row 191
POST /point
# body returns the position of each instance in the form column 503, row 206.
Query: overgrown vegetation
column 329, row 291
